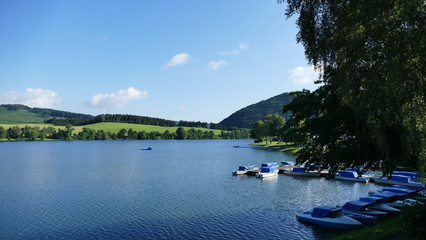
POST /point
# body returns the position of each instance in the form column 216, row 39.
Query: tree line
column 133, row 119
column 46, row 111
column 370, row 108
column 63, row 118
column 35, row 133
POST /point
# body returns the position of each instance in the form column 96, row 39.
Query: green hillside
column 246, row 117
column 17, row 113
column 19, row 116
column 116, row 127
column 19, row 122
column 110, row 127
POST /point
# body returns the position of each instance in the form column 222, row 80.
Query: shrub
column 413, row 218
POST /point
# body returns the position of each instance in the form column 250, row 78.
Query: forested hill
column 246, row 117
column 15, row 113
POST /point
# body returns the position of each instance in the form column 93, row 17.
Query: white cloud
column 117, row 100
column 32, row 97
column 243, row 45
column 216, row 65
column 178, row 59
column 233, row 52
column 303, row 75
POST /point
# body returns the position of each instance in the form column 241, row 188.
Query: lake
column 179, row 190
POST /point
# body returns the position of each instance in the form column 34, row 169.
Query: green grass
column 111, row 127
column 116, row 127
column 280, row 146
column 389, row 228
column 292, row 150
column 11, row 117
column 40, row 125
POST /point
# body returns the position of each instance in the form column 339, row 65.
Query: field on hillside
column 116, row 127
column 112, row 127
column 40, row 125
column 10, row 117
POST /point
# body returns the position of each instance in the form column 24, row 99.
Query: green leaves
column 374, row 95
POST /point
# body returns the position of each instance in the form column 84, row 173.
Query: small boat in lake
column 271, row 164
column 395, row 198
column 389, row 198
column 244, row 169
column 285, row 166
column 350, row 176
column 377, row 203
column 237, row 146
column 410, row 188
column 268, row 170
column 362, row 207
column 148, row 148
column 362, row 218
column 412, row 175
column 302, row 171
column 328, row 216
column 400, row 190
column 402, row 180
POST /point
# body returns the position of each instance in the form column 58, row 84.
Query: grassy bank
column 40, row 125
column 389, row 228
column 279, row 146
column 18, row 117
column 111, row 127
column 116, row 127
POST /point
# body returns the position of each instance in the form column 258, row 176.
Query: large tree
column 371, row 107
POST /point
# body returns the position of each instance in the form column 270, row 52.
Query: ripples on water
column 180, row 190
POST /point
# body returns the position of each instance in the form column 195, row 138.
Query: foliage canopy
column 370, row 109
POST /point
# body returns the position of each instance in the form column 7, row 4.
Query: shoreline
column 284, row 147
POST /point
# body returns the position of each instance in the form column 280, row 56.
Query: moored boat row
column 329, row 216
column 350, row 176
column 244, row 169
column 403, row 180
column 364, row 211
column 406, row 179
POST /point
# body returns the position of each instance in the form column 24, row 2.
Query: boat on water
column 148, row 148
column 403, row 180
column 244, row 169
column 266, row 172
column 400, row 190
column 270, row 164
column 350, row 176
column 397, row 196
column 362, row 207
column 328, row 216
column 410, row 188
column 377, row 203
column 362, row 218
column 285, row 166
column 389, row 198
column 412, row 175
column 237, row 146
column 302, row 171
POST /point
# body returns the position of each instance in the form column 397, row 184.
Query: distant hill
column 17, row 113
column 246, row 117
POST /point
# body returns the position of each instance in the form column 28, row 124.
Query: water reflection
column 180, row 190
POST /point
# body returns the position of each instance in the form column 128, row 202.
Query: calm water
column 180, row 190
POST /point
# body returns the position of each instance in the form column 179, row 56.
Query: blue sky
column 179, row 60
